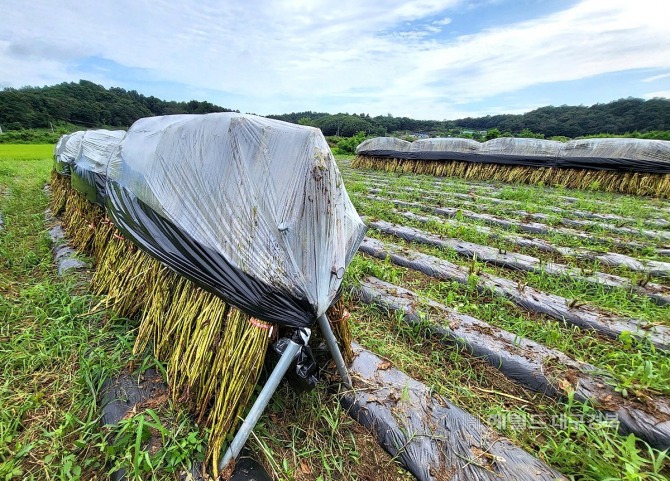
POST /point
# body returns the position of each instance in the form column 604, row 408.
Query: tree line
column 618, row 117
column 632, row 116
column 86, row 104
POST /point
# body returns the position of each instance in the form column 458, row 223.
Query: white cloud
column 660, row 93
column 656, row 77
column 361, row 56
column 19, row 71
column 444, row 21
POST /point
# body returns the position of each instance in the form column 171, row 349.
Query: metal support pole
column 273, row 381
column 331, row 342
column 261, row 403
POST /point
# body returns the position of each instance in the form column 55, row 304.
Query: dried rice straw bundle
column 635, row 183
column 60, row 189
column 338, row 316
column 81, row 219
column 213, row 352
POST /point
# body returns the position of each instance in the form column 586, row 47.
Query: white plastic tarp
column 72, row 146
column 90, row 167
column 384, row 144
column 250, row 208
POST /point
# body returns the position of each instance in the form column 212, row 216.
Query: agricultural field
column 454, row 280
column 457, row 279
column 58, row 345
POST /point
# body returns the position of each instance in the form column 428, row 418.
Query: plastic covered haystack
column 89, row 170
column 59, row 147
column 382, row 146
column 445, row 144
column 637, row 155
column 251, row 209
column 68, row 152
column 623, row 155
column 522, row 148
column 449, row 148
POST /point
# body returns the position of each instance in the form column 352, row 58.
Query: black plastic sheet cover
column 251, row 209
column 433, row 438
column 89, row 169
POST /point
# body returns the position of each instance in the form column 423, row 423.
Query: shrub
column 348, row 145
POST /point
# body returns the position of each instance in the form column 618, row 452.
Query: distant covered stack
column 89, row 169
column 65, row 151
column 634, row 166
column 219, row 232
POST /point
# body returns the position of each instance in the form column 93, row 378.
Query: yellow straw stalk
column 338, row 317
column 60, row 187
column 635, row 183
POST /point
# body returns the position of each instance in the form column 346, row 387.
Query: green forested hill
column 618, row 118
column 86, row 105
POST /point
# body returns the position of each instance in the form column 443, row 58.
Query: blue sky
column 429, row 59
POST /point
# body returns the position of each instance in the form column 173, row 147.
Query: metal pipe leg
column 261, row 403
column 331, row 342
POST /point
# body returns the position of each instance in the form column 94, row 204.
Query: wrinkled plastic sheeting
column 627, row 155
column 522, row 262
column 68, row 152
column 89, row 170
column 435, row 149
column 431, row 437
column 560, row 308
column 521, row 150
column 60, row 145
column 639, row 155
column 445, row 144
column 58, row 151
column 251, row 209
column 383, row 147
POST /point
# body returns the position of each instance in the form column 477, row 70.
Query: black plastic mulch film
column 622, row 155
column 433, row 438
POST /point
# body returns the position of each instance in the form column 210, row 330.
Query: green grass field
column 54, row 350
column 13, row 152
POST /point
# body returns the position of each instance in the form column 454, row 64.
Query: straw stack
column 635, row 183
column 213, row 352
column 627, row 166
